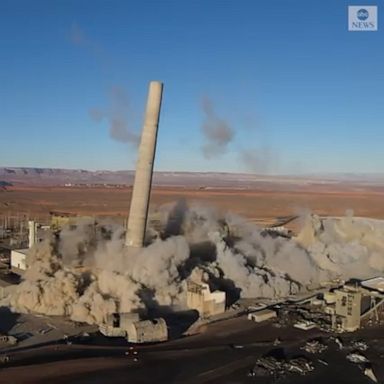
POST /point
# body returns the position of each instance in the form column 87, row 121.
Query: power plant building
column 130, row 326
column 348, row 308
column 207, row 303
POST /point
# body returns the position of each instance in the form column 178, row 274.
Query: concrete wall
column 147, row 331
column 18, row 259
column 348, row 307
column 110, row 331
column 116, row 324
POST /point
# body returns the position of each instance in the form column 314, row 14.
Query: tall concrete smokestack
column 144, row 168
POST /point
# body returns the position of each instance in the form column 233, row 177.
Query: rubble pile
column 363, row 363
column 338, row 342
column 358, row 345
column 314, row 347
column 357, row 358
column 271, row 366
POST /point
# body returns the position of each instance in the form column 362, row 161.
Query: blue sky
column 300, row 93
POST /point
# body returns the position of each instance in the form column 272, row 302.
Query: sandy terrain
column 256, row 204
column 206, row 358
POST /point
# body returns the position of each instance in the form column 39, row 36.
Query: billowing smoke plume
column 117, row 116
column 88, row 273
column 217, row 132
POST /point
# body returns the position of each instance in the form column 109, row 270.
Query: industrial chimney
column 32, row 233
column 144, row 168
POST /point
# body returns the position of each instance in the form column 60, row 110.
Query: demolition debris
column 271, row 366
column 314, row 346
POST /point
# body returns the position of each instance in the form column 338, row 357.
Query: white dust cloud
column 87, row 273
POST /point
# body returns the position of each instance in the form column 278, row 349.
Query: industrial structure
column 348, row 309
column 345, row 308
column 32, row 227
column 130, row 326
column 19, row 260
column 19, row 256
column 353, row 304
column 262, row 315
column 144, row 168
column 200, row 298
column 60, row 220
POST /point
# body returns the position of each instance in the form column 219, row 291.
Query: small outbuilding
column 19, row 260
column 262, row 315
column 147, row 331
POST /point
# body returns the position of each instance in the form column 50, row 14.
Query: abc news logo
column 362, row 18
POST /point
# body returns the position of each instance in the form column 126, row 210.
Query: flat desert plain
column 264, row 204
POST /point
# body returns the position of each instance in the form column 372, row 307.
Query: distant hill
column 71, row 177
column 57, row 176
